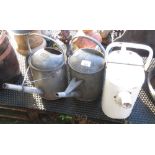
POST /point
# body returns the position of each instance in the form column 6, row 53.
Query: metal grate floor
column 143, row 111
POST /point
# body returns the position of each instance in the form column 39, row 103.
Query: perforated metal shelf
column 143, row 111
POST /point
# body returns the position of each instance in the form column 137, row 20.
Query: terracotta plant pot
column 35, row 41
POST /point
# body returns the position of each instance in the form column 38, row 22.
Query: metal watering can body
column 48, row 70
column 124, row 77
column 86, row 68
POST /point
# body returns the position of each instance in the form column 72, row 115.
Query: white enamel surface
column 122, row 78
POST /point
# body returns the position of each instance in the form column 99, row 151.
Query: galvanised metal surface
column 143, row 112
column 87, row 64
column 91, row 76
column 49, row 72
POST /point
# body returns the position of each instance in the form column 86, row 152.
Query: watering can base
column 115, row 117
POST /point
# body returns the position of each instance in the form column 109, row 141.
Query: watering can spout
column 65, row 95
column 25, row 89
column 69, row 92
column 124, row 99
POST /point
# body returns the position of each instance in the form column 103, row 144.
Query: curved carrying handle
column 124, row 45
column 44, row 36
column 91, row 39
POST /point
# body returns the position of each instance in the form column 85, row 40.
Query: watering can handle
column 124, row 45
column 91, row 39
column 44, row 36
